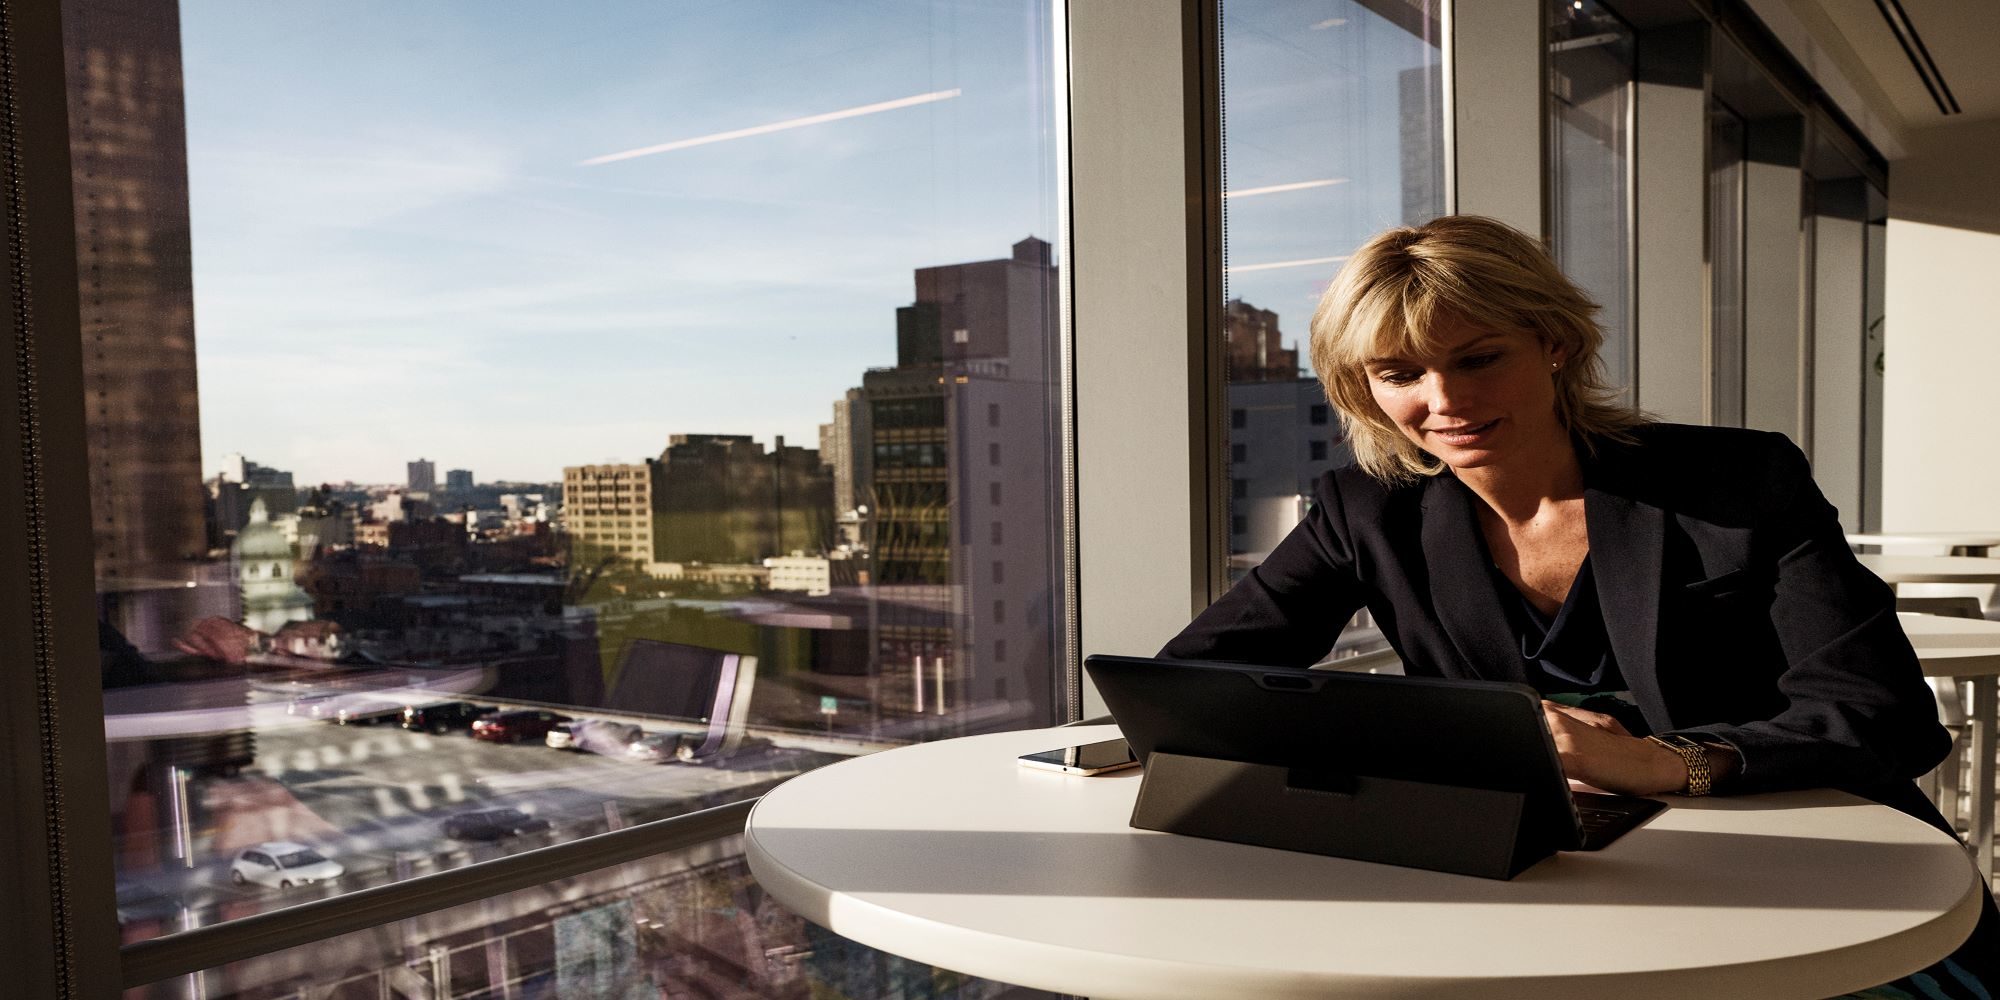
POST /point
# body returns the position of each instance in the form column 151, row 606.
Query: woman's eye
column 1481, row 360
column 1396, row 377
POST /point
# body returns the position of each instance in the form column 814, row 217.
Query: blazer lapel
column 1461, row 584
column 1627, row 547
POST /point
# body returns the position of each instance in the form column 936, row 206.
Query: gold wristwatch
column 1696, row 757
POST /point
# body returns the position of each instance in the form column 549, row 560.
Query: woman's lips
column 1466, row 434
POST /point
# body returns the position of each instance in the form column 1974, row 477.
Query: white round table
column 1932, row 569
column 954, row 855
column 1968, row 651
column 1962, row 543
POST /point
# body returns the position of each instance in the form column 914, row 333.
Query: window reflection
column 1333, row 130
column 1591, row 80
column 688, row 925
column 538, row 426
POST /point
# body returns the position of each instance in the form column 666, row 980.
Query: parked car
column 658, row 748
column 313, row 705
column 367, row 713
column 444, row 716
column 595, row 736
column 283, row 864
column 139, row 902
column 515, row 726
column 493, row 824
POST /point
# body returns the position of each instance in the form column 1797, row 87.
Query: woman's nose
column 1446, row 393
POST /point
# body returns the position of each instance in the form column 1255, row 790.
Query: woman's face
column 1483, row 396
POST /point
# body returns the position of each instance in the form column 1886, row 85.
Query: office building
column 843, row 449
column 724, row 498
column 422, row 476
column 608, row 510
column 458, row 479
column 956, row 485
column 241, row 484
column 128, row 147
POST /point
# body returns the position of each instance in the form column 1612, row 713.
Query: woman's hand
column 218, row 639
column 1596, row 750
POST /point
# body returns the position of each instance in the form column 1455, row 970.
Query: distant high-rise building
column 423, row 475
column 458, row 479
column 128, row 148
column 843, row 448
column 959, row 474
column 1256, row 350
column 239, row 485
column 609, row 508
column 1282, row 432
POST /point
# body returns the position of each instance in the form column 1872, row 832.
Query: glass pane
column 510, row 422
column 1727, row 154
column 1591, row 81
column 688, row 925
column 1332, row 131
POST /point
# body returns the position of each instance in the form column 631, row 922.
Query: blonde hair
column 1390, row 300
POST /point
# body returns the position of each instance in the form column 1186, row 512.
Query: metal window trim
column 62, row 942
column 209, row 947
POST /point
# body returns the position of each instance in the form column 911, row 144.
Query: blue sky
column 399, row 252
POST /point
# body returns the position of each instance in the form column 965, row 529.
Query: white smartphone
column 1089, row 758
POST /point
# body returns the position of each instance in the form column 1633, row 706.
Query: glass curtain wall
column 1591, row 94
column 1727, row 154
column 507, row 427
column 1333, row 130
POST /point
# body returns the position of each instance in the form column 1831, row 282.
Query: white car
column 600, row 736
column 282, row 864
column 658, row 748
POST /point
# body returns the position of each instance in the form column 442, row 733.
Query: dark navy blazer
column 1734, row 606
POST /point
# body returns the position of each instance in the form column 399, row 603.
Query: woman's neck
column 1519, row 491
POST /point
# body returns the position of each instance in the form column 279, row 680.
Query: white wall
column 1941, row 458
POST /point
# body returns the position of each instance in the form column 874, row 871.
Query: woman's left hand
column 1596, row 750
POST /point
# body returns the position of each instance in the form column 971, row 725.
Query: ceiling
column 1963, row 39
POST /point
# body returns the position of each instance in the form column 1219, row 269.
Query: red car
column 518, row 725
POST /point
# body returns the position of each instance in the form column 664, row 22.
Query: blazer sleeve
column 1858, row 712
column 1288, row 611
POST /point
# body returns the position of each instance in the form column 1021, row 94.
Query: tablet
column 1468, row 734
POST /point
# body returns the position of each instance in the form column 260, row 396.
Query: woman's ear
column 1554, row 353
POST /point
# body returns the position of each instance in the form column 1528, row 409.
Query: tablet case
column 1447, row 775
column 1467, row 831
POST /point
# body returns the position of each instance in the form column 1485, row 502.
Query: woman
column 1682, row 596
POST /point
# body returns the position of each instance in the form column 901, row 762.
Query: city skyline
column 456, row 278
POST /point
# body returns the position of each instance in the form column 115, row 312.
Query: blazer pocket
column 1736, row 581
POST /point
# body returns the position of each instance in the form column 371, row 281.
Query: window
column 993, row 493
column 1239, row 488
column 702, row 509
column 1591, row 64
column 999, row 572
column 999, row 612
column 1333, row 130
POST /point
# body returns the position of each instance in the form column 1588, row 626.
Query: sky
column 412, row 236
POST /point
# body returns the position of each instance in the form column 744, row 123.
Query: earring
column 1553, row 365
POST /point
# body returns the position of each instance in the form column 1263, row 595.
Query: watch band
column 1694, row 755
